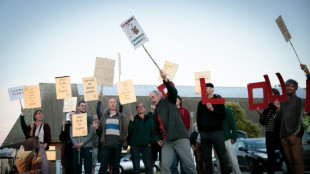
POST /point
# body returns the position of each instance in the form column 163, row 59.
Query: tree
column 241, row 122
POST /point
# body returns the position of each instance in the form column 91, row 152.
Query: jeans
column 216, row 139
column 145, row 151
column 183, row 149
column 86, row 153
column 174, row 166
column 108, row 154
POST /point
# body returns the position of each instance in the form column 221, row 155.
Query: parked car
column 242, row 134
column 252, row 155
column 126, row 165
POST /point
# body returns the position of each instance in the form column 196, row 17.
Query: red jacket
column 185, row 117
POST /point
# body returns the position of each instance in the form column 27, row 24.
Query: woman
column 43, row 132
column 64, row 137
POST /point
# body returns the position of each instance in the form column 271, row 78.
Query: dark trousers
column 216, row 139
column 68, row 159
column 174, row 166
column 145, row 151
column 86, row 153
column 111, row 153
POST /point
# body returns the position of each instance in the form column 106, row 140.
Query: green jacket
column 306, row 123
column 140, row 132
column 229, row 125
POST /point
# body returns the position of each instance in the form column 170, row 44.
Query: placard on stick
column 32, row 96
column 198, row 75
column 79, row 125
column 104, row 71
column 126, row 92
column 16, row 93
column 170, row 69
column 63, row 87
column 134, row 32
column 90, row 89
column 283, row 29
column 70, row 104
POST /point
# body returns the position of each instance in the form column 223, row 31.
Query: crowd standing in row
column 164, row 131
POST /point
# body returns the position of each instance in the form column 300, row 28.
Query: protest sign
column 79, row 125
column 283, row 28
column 126, row 92
column 104, row 71
column 16, row 93
column 198, row 75
column 134, row 32
column 32, row 96
column 90, row 89
column 170, row 69
column 63, row 87
column 70, row 104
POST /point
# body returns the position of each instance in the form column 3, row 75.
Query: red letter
column 204, row 97
column 272, row 98
column 161, row 89
column 251, row 86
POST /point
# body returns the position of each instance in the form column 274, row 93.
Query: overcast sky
column 238, row 41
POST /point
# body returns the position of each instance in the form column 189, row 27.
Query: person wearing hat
column 209, row 120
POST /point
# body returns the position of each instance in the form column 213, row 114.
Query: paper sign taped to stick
column 283, row 29
column 79, row 125
column 16, row 93
column 126, row 92
column 70, row 104
column 170, row 69
column 134, row 32
column 104, row 71
column 90, row 89
column 32, row 96
column 63, row 87
column 198, row 75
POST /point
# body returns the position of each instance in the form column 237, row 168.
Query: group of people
column 164, row 131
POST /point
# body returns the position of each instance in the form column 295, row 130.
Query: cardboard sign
column 32, row 97
column 79, row 125
column 70, row 104
column 206, row 75
column 204, row 96
column 16, row 93
column 63, row 87
column 126, row 92
column 283, row 29
column 170, row 69
column 307, row 105
column 134, row 32
column 252, row 105
column 104, row 71
column 161, row 88
column 90, row 89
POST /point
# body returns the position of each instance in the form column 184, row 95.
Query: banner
column 70, row 104
column 134, row 32
column 63, row 87
column 90, row 89
column 16, row 93
column 198, row 75
column 170, row 69
column 126, row 92
column 79, row 125
column 32, row 96
column 104, row 71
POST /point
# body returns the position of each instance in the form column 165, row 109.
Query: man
column 140, row 137
column 171, row 128
column 83, row 145
column 209, row 120
column 230, row 136
column 112, row 129
column 290, row 113
column 306, row 118
column 267, row 118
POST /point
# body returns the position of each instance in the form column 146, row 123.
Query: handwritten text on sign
column 79, row 125
column 32, row 97
column 104, row 71
column 63, row 87
column 90, row 89
column 126, row 92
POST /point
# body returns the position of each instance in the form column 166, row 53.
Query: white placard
column 70, row 104
column 16, row 93
column 134, row 32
